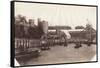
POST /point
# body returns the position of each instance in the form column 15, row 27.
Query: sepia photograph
column 54, row 33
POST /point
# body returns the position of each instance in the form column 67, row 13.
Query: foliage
column 79, row 27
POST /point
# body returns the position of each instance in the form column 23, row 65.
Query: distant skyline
column 64, row 15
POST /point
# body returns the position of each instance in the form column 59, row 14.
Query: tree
column 79, row 27
column 90, row 32
column 60, row 27
column 68, row 27
column 19, row 18
column 89, row 28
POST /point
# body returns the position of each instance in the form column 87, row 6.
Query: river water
column 61, row 54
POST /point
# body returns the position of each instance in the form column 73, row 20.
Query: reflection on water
column 61, row 54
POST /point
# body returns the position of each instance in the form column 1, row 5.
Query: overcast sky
column 65, row 15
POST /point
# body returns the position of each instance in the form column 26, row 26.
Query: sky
column 64, row 15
